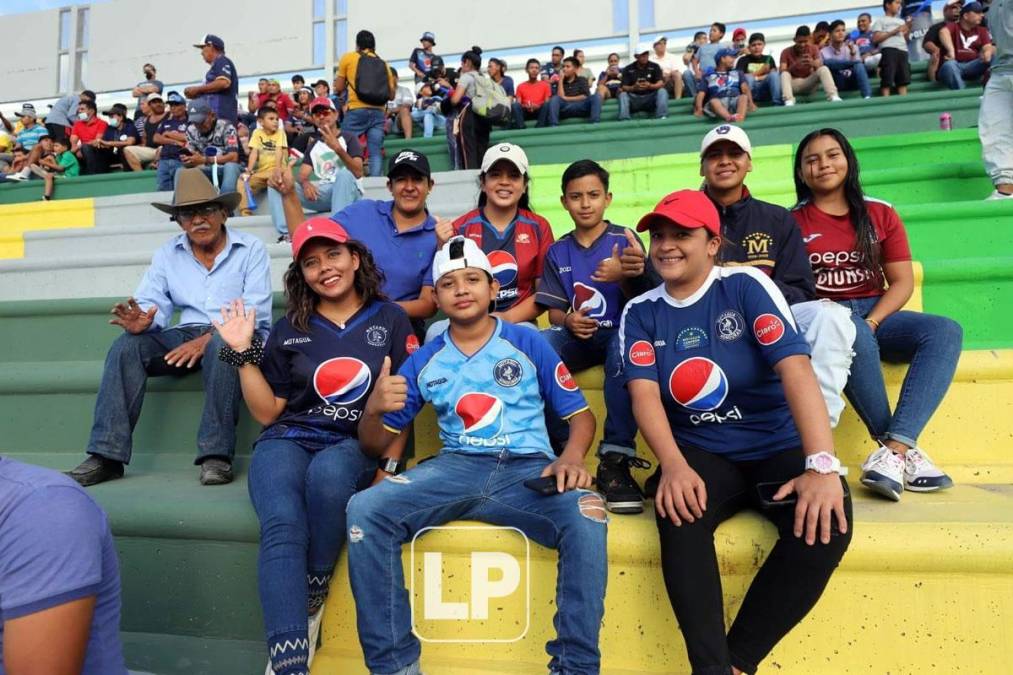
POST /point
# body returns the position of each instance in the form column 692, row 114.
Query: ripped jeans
column 487, row 488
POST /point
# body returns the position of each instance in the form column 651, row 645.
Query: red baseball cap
column 737, row 32
column 685, row 208
column 318, row 226
column 321, row 101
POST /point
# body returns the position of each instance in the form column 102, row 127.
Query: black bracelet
column 254, row 354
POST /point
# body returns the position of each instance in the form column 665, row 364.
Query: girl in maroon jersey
column 859, row 253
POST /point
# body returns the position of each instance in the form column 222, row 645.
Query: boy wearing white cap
column 488, row 381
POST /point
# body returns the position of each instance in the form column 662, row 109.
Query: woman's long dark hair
column 301, row 300
column 866, row 241
column 524, row 203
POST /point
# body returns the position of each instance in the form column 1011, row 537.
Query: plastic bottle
column 946, row 121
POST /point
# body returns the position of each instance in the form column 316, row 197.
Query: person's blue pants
column 520, row 115
column 331, row 198
column 767, row 89
column 431, row 120
column 953, row 73
column 631, row 103
column 369, row 121
column 165, row 175
column 559, row 109
column 850, row 75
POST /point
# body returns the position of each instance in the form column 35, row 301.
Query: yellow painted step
column 16, row 219
column 924, row 588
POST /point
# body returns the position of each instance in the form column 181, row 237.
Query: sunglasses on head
column 321, row 110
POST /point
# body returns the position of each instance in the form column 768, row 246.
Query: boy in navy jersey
column 586, row 279
column 488, row 381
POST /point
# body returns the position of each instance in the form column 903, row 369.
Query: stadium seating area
column 924, row 587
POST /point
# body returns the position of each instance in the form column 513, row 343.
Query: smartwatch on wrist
column 389, row 465
column 825, row 463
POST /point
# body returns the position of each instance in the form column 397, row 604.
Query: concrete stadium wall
column 28, row 69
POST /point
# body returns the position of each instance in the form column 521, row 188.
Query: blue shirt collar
column 183, row 242
column 387, row 209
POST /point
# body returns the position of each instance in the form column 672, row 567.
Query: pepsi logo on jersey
column 590, row 299
column 340, row 382
column 481, row 417
column 504, row 267
column 698, row 384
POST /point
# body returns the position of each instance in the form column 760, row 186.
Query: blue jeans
column 165, row 175
column 953, row 73
column 931, row 344
column 331, row 198
column 857, row 79
column 520, row 114
column 488, row 488
column 300, row 497
column 131, row 360
column 631, row 103
column 228, row 175
column 767, row 89
column 602, row 348
column 368, row 121
column 690, row 85
column 590, row 107
column 431, row 120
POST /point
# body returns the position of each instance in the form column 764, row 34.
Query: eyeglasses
column 321, row 110
column 187, row 214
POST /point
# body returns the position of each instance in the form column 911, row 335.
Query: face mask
column 83, row 116
column 115, row 120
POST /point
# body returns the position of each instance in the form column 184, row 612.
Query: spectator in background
column 254, row 98
column 473, row 137
column 119, row 134
column 150, row 85
column 212, row 145
column 145, row 152
column 724, row 91
column 995, row 117
column 643, row 88
column 321, row 89
column 918, row 14
column 299, row 119
column 17, row 167
column 421, row 59
column 399, row 109
column 862, row 37
column 364, row 117
column 890, row 32
column 760, row 71
column 31, row 131
column 328, row 176
column 86, row 133
column 43, row 155
column 970, row 51
column 59, row 576
column 62, row 115
column 932, row 42
column 497, row 71
column 298, row 83
column 739, row 43
column 221, row 82
column 704, row 58
column 427, row 109
column 63, row 163
column 584, row 71
column 844, row 61
column 278, row 99
column 532, row 97
column 699, row 39
column 802, row 69
column 821, row 34
column 170, row 136
column 553, row 70
column 268, row 155
column 669, row 63
column 574, row 97
column 610, row 80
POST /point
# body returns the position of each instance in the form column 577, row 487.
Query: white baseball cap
column 508, row 151
column 726, row 132
column 458, row 253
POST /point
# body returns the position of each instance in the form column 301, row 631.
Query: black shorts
column 894, row 68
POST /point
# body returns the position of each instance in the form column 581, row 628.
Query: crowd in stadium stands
column 731, row 342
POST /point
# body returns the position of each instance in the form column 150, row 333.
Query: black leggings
column 785, row 588
column 474, row 138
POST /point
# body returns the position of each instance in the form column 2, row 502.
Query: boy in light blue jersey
column 489, row 381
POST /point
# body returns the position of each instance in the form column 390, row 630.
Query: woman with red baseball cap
column 724, row 395
column 308, row 385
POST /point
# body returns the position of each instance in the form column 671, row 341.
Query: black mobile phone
column 766, row 492
column 545, row 486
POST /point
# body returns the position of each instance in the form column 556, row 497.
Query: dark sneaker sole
column 89, row 481
column 626, row 507
column 942, row 483
column 215, row 479
column 882, row 485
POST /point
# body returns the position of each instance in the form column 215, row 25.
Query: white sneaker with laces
column 997, row 195
column 921, row 474
column 835, row 99
column 789, row 102
column 883, row 473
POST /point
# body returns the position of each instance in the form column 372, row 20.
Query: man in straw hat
column 196, row 273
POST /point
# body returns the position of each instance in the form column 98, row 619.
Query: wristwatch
column 824, row 462
column 389, row 465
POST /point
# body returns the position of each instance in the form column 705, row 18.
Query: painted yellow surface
column 16, row 219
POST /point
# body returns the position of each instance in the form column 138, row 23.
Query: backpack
column 372, row 80
column 490, row 100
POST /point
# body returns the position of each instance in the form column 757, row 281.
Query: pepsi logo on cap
column 589, row 298
column 564, row 379
column 768, row 329
column 342, row 380
column 698, row 384
column 411, row 344
column 504, row 267
column 481, row 414
column 642, row 353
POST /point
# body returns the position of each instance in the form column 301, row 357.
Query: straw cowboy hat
column 193, row 189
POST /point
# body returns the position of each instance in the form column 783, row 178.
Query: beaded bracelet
column 254, row 354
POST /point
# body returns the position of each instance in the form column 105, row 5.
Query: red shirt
column 796, row 66
column 837, row 265
column 283, row 104
column 89, row 131
column 967, row 45
column 535, row 93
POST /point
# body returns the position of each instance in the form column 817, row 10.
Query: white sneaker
column 835, row 99
column 921, row 475
column 789, row 102
column 314, row 631
column 995, row 195
column 883, row 473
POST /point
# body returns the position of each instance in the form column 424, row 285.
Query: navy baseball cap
column 428, row 35
column 198, row 111
column 212, row 40
column 174, row 98
column 972, row 7
column 725, row 52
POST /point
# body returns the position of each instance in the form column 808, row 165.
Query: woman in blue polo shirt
column 308, row 386
column 724, row 395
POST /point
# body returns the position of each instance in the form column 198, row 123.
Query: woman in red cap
column 308, row 386
column 724, row 395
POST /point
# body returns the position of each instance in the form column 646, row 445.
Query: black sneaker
column 621, row 492
column 215, row 471
column 96, row 469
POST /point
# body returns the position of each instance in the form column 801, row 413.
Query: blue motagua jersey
column 712, row 356
column 493, row 399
